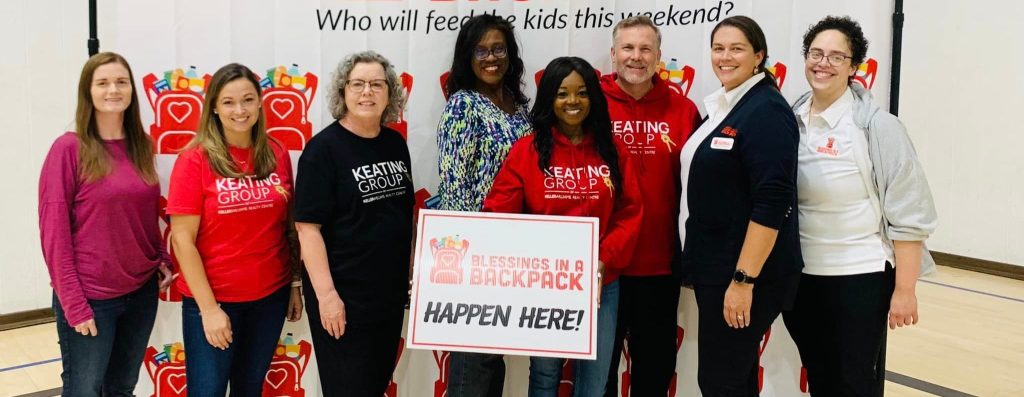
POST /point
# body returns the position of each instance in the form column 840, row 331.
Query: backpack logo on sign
column 448, row 253
column 177, row 102
column 166, row 369
column 287, row 96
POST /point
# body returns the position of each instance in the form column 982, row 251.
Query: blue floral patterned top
column 473, row 139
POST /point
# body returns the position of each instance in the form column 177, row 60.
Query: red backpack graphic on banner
column 401, row 125
column 779, row 70
column 284, row 378
column 444, row 362
column 866, row 73
column 287, row 97
column 177, row 103
column 166, row 369
column 680, row 78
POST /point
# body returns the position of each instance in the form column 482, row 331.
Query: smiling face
column 370, row 101
column 111, row 88
column 238, row 106
column 825, row 77
column 491, row 69
column 572, row 104
column 635, row 54
column 732, row 57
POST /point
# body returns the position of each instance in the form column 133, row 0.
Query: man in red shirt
column 653, row 119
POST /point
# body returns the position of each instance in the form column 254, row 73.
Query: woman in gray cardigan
column 865, row 210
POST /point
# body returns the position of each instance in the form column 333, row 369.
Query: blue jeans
column 107, row 364
column 255, row 329
column 476, row 375
column 589, row 376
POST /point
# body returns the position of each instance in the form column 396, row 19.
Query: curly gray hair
column 396, row 93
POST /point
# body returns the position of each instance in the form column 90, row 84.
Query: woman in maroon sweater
column 571, row 166
column 98, row 205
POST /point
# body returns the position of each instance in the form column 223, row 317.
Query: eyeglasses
column 833, row 59
column 498, row 52
column 358, row 86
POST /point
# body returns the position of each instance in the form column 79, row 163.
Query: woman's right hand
column 332, row 314
column 217, row 327
column 87, row 327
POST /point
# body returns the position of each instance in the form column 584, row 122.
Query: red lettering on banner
column 760, row 368
column 443, row 360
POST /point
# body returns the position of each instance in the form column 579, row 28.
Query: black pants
column 362, row 361
column 647, row 313
column 727, row 358
column 838, row 324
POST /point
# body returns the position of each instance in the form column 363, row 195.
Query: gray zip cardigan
column 896, row 181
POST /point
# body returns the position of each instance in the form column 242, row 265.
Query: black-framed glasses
column 498, row 52
column 833, row 59
column 358, row 86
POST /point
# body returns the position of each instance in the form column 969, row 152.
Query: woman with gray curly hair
column 353, row 211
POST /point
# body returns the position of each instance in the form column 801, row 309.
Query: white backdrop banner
column 174, row 46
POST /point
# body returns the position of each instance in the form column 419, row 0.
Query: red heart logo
column 282, row 107
column 177, row 382
column 179, row 110
column 276, row 377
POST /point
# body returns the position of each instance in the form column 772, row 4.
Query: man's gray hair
column 634, row 21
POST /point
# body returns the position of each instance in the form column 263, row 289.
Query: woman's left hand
column 295, row 305
column 902, row 309
column 736, row 308
column 164, row 275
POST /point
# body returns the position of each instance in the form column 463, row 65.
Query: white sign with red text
column 505, row 283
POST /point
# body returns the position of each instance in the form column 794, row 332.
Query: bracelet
column 297, row 283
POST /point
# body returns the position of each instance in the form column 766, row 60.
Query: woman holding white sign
column 486, row 114
column 572, row 166
column 353, row 210
column 741, row 248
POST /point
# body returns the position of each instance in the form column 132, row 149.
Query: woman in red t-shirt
column 572, row 166
column 229, row 200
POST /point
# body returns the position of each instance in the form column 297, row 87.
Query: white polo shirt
column 839, row 224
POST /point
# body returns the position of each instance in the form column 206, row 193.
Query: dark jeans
column 648, row 307
column 476, row 375
column 727, row 358
column 107, row 364
column 838, row 324
column 255, row 330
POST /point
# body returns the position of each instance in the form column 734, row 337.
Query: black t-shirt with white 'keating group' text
column 360, row 191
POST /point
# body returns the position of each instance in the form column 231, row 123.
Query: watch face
column 739, row 277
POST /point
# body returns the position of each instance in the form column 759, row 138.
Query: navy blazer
column 753, row 180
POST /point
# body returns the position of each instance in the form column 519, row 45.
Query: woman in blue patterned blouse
column 485, row 115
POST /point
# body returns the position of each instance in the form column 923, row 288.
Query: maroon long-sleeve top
column 100, row 239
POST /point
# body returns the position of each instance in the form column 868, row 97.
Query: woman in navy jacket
column 741, row 248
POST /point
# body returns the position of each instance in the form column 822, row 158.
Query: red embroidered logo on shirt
column 729, row 131
column 829, row 148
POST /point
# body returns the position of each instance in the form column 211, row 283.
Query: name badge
column 721, row 143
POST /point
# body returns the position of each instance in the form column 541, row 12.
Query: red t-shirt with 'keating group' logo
column 242, row 225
